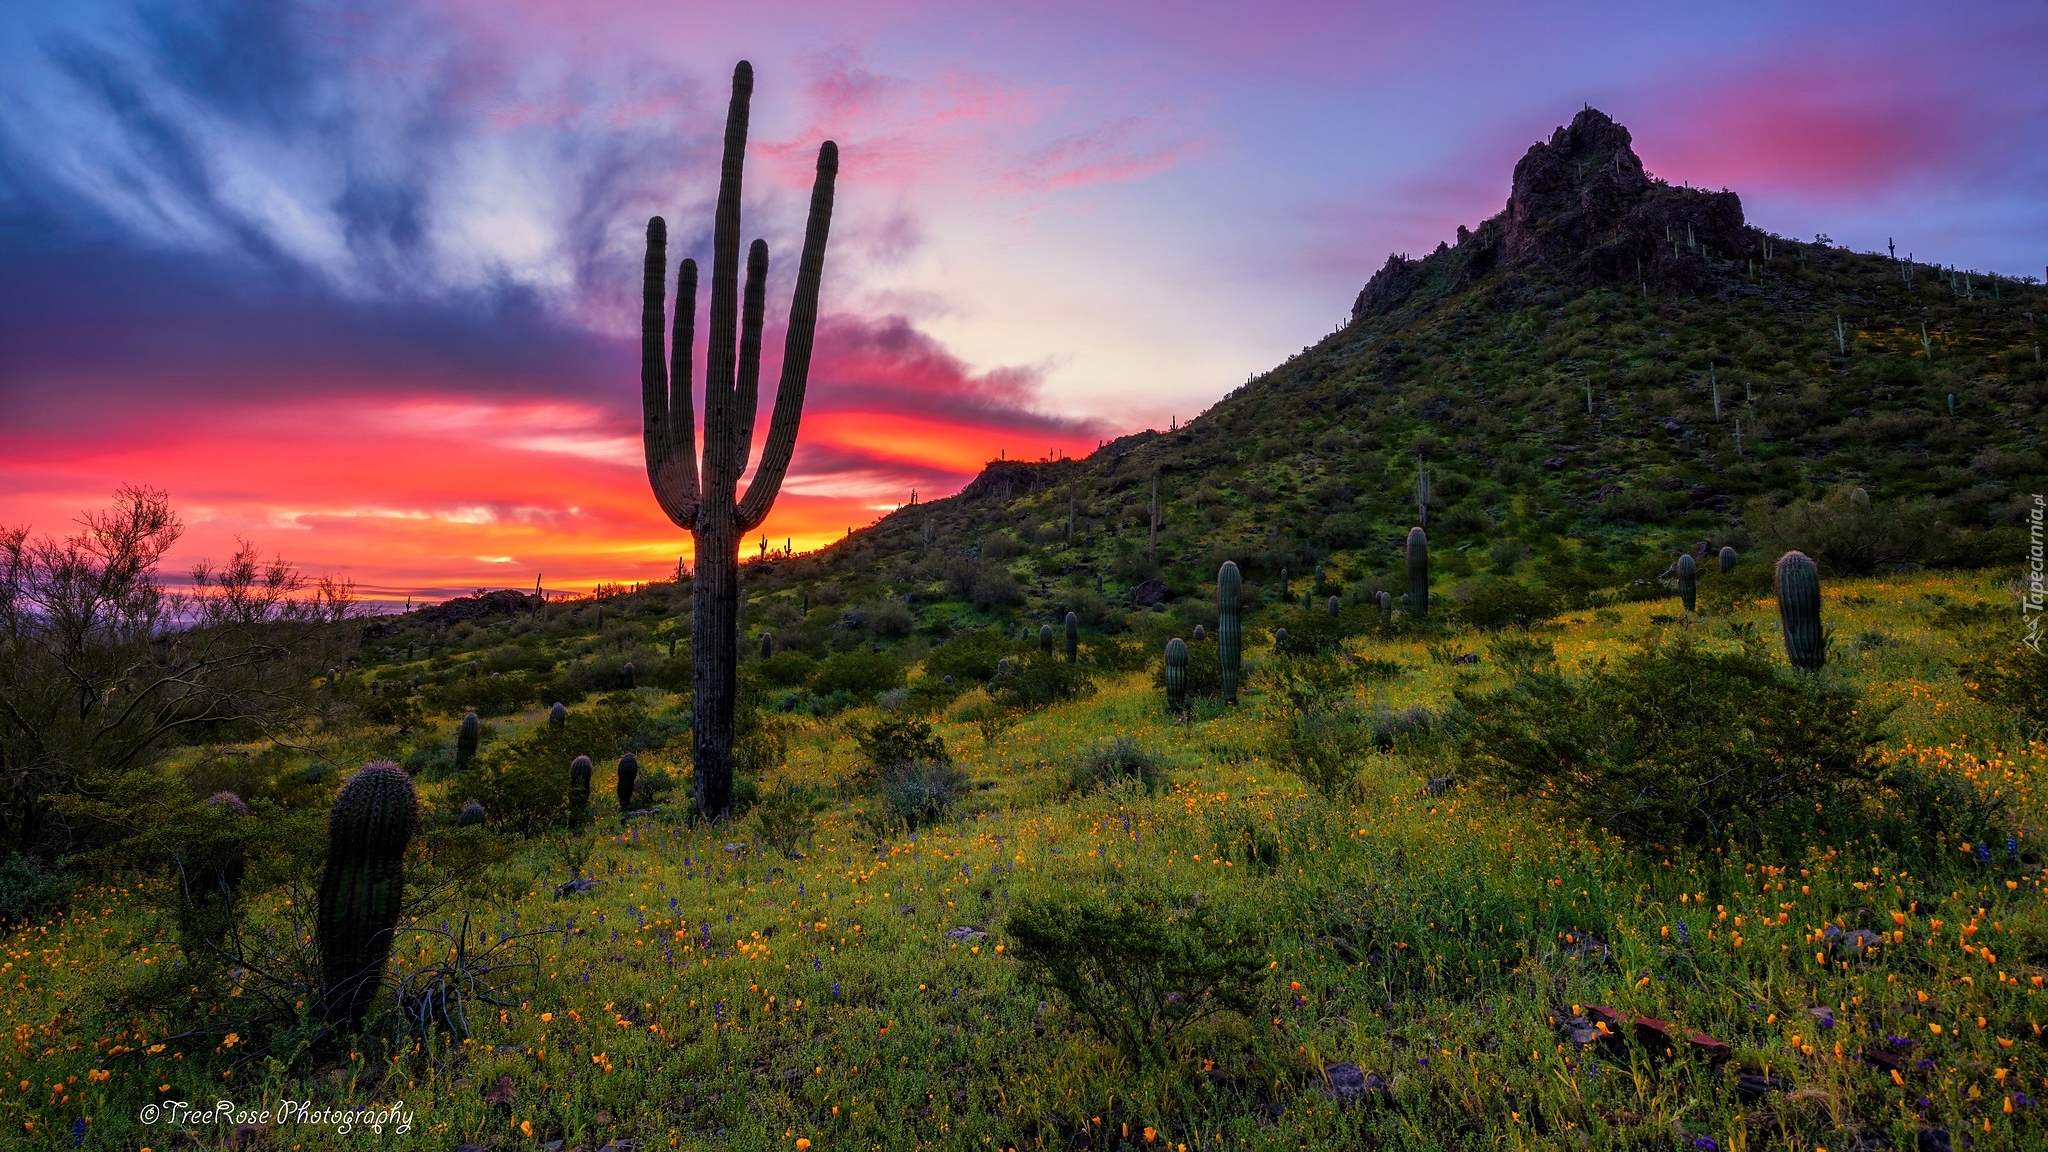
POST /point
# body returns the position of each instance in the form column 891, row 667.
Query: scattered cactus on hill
column 629, row 774
column 1727, row 559
column 1073, row 637
column 1228, row 634
column 1045, row 639
column 1176, row 675
column 471, row 816
column 1797, row 582
column 579, row 788
column 362, row 888
column 466, row 735
column 558, row 715
column 1418, row 573
column 1688, row 580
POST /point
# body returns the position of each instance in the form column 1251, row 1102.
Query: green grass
column 1426, row 936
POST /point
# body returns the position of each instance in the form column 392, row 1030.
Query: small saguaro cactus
column 472, row 814
column 1418, row 573
column 1727, row 559
column 362, row 888
column 1176, row 675
column 1229, row 636
column 1797, row 583
column 1045, row 639
column 1862, row 500
column 1386, row 600
column 1334, row 606
column 767, row 645
column 626, row 674
column 1201, row 633
column 629, row 773
column 472, row 669
column 1688, row 580
column 1073, row 637
column 466, row 736
column 1280, row 638
column 579, row 787
column 558, row 715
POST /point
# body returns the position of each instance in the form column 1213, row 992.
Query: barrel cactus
column 471, row 816
column 1045, row 639
column 1176, row 675
column 1228, row 634
column 1727, row 559
column 362, row 888
column 558, row 716
column 466, row 736
column 629, row 772
column 1797, row 583
column 579, row 787
column 1688, row 580
column 1073, row 638
column 1418, row 573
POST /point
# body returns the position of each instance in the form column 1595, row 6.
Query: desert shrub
column 994, row 588
column 1116, row 655
column 969, row 658
column 29, row 889
column 890, row 619
column 1846, row 539
column 1310, row 632
column 786, row 669
column 896, row 742
column 1319, row 731
column 1674, row 744
column 2014, row 677
column 1509, row 603
column 1113, row 762
column 1139, row 966
column 861, row 673
column 523, row 783
column 1039, row 680
column 788, row 817
column 1390, row 728
column 923, row 792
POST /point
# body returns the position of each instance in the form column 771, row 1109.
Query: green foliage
column 860, row 672
column 29, row 889
column 969, row 658
column 1850, row 537
column 895, row 742
column 1319, row 730
column 787, row 818
column 524, row 783
column 1038, row 680
column 1109, row 763
column 1141, row 965
column 787, row 668
column 2012, row 676
column 1677, row 743
column 1508, row 603
column 922, row 793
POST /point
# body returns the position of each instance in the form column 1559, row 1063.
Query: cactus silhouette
column 1201, row 633
column 1727, row 559
column 1862, row 500
column 716, row 516
column 466, row 736
column 1797, row 583
column 1333, row 606
column 767, row 645
column 558, row 715
column 1280, row 638
column 362, row 888
column 1073, row 637
column 1229, row 635
column 1418, row 574
column 629, row 772
column 1045, row 639
column 1386, row 600
column 472, row 814
column 1176, row 675
column 1688, row 580
column 579, row 788
column 626, row 674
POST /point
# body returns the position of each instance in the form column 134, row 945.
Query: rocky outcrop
column 1583, row 209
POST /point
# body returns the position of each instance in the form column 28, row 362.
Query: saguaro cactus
column 472, row 814
column 1073, row 637
column 1797, row 583
column 1045, row 639
column 717, row 517
column 1176, row 675
column 579, row 788
column 626, row 674
column 1418, row 574
column 767, row 645
column 558, row 715
column 1386, row 600
column 1861, row 500
column 363, row 886
column 1688, row 580
column 1334, row 606
column 1229, row 636
column 629, row 774
column 466, row 735
column 1727, row 559
column 1201, row 633
column 1423, row 490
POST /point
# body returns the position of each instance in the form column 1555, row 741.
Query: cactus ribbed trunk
column 1073, row 638
column 1229, row 636
column 1727, row 559
column 1797, row 583
column 558, row 715
column 716, row 515
column 1334, row 606
column 362, row 888
column 466, row 736
column 629, row 774
column 1418, row 574
column 1386, row 600
column 579, row 789
column 1176, row 675
column 1045, row 639
column 1688, row 581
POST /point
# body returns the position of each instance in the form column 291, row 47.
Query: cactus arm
column 675, row 486
column 796, row 348
column 720, row 349
column 747, row 393
column 682, row 414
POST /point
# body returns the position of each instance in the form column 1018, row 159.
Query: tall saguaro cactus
column 1229, row 635
column 362, row 888
column 712, row 509
column 1798, row 586
column 1418, row 573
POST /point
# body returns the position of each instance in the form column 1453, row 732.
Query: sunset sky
column 359, row 281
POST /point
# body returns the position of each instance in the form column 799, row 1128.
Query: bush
column 2014, row 677
column 1040, row 680
column 969, row 658
column 1505, row 603
column 922, row 793
column 1112, row 762
column 890, row 620
column 1845, row 539
column 788, row 817
column 29, row 889
column 897, row 742
column 1319, row 731
column 861, row 673
column 1139, row 967
column 1204, row 671
column 524, row 783
column 788, row 668
column 1676, row 744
